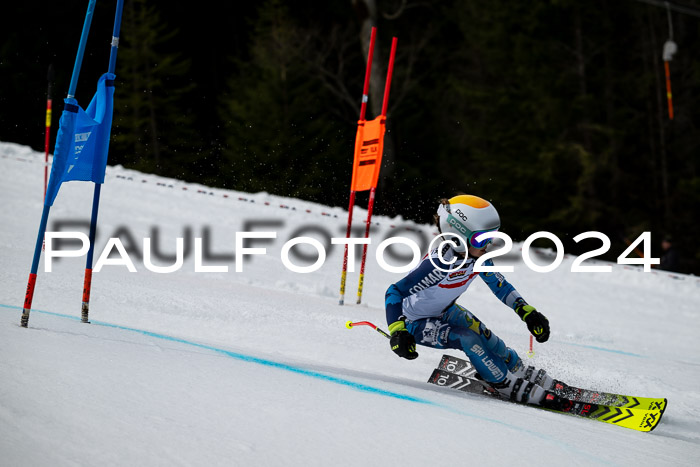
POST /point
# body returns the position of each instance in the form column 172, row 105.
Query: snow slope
column 257, row 368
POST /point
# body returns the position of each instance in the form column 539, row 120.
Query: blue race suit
column 426, row 298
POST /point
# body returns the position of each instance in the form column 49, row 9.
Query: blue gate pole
column 87, row 281
column 115, row 37
column 29, row 294
column 81, row 49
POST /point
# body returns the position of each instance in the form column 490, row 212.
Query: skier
column 422, row 306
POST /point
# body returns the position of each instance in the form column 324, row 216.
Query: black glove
column 402, row 342
column 536, row 322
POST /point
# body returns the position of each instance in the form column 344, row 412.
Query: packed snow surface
column 257, row 368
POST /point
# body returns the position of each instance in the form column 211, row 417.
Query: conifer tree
column 277, row 139
column 153, row 130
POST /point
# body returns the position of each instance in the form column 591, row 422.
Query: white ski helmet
column 467, row 216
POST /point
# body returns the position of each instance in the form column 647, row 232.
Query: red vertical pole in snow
column 363, row 110
column 370, row 206
column 668, row 90
column 669, row 50
column 368, row 72
column 47, row 137
column 46, row 145
column 389, row 74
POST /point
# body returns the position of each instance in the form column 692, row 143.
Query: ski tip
column 434, row 376
column 661, row 414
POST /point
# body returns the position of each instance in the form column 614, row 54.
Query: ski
column 459, row 374
column 633, row 418
column 463, row 367
column 462, row 383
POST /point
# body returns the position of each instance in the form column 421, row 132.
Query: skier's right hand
column 537, row 323
column 402, row 342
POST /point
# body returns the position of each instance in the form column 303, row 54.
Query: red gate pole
column 669, row 98
column 370, row 206
column 363, row 110
column 47, row 136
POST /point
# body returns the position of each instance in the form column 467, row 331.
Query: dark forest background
column 554, row 110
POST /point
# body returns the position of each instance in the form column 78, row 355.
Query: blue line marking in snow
column 246, row 358
column 322, row 376
column 271, row 363
column 603, row 349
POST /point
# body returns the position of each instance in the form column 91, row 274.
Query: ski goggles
column 483, row 243
column 444, row 212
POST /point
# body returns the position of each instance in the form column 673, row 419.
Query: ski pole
column 350, row 324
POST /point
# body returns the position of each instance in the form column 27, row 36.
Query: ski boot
column 533, row 375
column 520, row 390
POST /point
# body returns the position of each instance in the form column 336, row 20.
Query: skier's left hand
column 537, row 323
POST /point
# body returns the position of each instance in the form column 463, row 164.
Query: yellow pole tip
column 348, row 325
